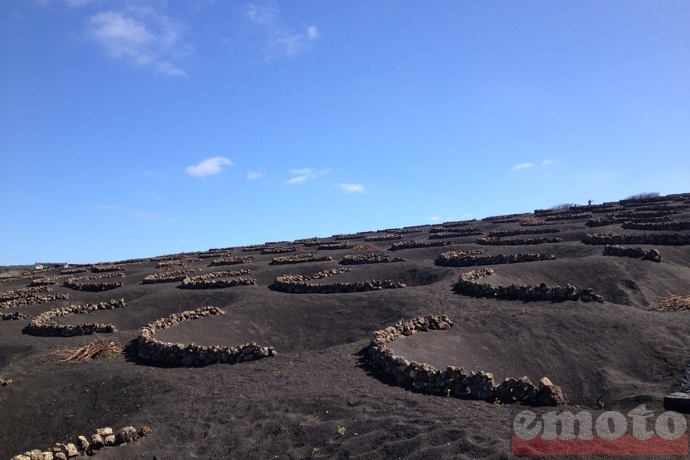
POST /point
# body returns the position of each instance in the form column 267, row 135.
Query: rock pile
column 91, row 287
column 384, row 237
column 43, row 325
column 176, row 354
column 467, row 286
column 232, row 260
column 169, row 277
column 299, row 259
column 417, row 244
column 103, row 438
column 469, row 259
column 666, row 239
column 454, row 381
column 495, row 241
column 370, row 258
column 522, row 231
column 29, row 296
column 656, row 226
column 635, row 253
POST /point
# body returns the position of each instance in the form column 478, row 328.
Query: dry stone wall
column 28, row 296
column 417, row 244
column 454, row 381
column 45, row 326
column 299, row 284
column 102, row 439
column 495, row 241
column 656, row 226
column 635, row 253
column 279, row 250
column 522, row 231
column 299, row 259
column 74, row 270
column 666, row 239
column 568, row 216
column 384, row 237
column 456, row 231
column 15, row 315
column 107, row 268
column 334, row 246
column 232, row 260
column 458, row 259
column 91, row 287
column 169, row 277
column 467, row 286
column 371, row 258
column 152, row 350
column 218, row 283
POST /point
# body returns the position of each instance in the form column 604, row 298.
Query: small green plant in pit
column 341, row 430
column 315, row 451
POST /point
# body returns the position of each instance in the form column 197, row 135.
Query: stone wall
column 371, row 258
column 656, row 226
column 28, row 296
column 104, row 437
column 467, row 286
column 495, row 241
column 74, row 270
column 334, row 246
column 298, row 284
column 636, row 253
column 152, row 350
column 91, row 287
column 233, row 260
column 384, row 237
column 417, row 244
column 568, row 216
column 169, row 277
column 457, row 231
column 635, row 214
column 671, row 239
column 454, row 381
column 15, row 315
column 212, row 254
column 107, row 268
column 255, row 248
column 522, row 231
column 279, row 250
column 44, row 325
column 468, row 259
column 101, row 276
column 299, row 258
column 218, row 283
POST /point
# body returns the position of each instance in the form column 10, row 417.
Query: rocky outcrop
column 169, row 276
column 400, row 245
column 299, row 259
column 371, row 258
column 467, row 286
column 495, row 241
column 454, row 381
column 101, row 439
column 43, row 325
column 232, row 260
column 665, row 239
column 152, row 350
column 635, row 253
column 469, row 258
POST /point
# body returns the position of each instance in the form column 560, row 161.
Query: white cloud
column 434, row 218
column 351, row 188
column 523, row 166
column 142, row 37
column 254, row 175
column 209, row 167
column 546, row 162
column 280, row 40
column 305, row 174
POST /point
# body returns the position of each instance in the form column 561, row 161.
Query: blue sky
column 140, row 128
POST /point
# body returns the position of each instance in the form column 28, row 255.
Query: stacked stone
column 13, row 316
column 634, row 214
column 22, row 293
column 191, row 256
column 233, row 260
column 91, row 287
column 459, row 223
column 107, row 268
column 599, row 208
column 673, row 239
column 102, row 276
column 45, row 281
column 5, row 382
column 349, row 236
column 403, row 231
column 197, row 283
column 279, row 250
column 467, row 286
column 647, row 199
column 495, row 241
column 212, row 254
column 169, row 277
column 104, row 437
column 299, row 259
column 298, row 284
column 667, row 226
column 192, row 355
column 504, row 219
column 371, row 258
column 453, row 259
column 28, row 296
column 175, row 263
column 533, row 222
column 334, row 246
column 635, row 253
column 454, row 381
column 417, row 244
column 568, row 216
column 523, row 231
column 456, row 231
column 660, row 208
column 74, row 270
column 384, row 237
column 308, row 241
column 44, row 326
column 255, row 248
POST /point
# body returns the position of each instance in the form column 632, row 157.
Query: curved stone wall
column 107, row 268
column 469, row 259
column 28, row 296
column 673, row 239
column 169, row 277
column 298, row 284
column 371, row 258
column 91, row 287
column 454, row 381
column 417, row 244
column 279, row 250
column 495, row 241
column 176, row 354
column 232, row 260
column 522, row 231
column 299, row 259
column 467, row 286
column 636, row 253
column 44, row 325
column 218, row 283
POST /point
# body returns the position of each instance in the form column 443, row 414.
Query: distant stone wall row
column 74, row 270
column 602, row 221
column 299, row 284
column 417, row 244
column 384, row 237
column 233, row 260
column 454, row 381
column 522, row 231
column 467, row 286
column 672, row 239
column 104, row 437
column 568, row 216
column 217, row 283
column 334, row 246
column 107, row 268
column 534, row 222
column 371, row 258
column 29, row 296
column 634, row 214
column 91, row 287
column 656, row 226
column 14, row 316
column 298, row 259
column 495, row 241
column 176, row 354
column 44, row 326
column 457, row 231
column 169, row 277
column 279, row 250
column 102, row 276
column 467, row 259
column 636, row 253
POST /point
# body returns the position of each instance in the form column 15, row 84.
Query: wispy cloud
column 522, row 166
column 280, row 39
column 303, row 175
column 351, row 188
column 142, row 37
column 209, row 167
column 108, row 206
column 145, row 214
column 251, row 175
column 434, row 218
column 546, row 162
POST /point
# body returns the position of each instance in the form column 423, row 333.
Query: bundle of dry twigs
column 99, row 348
column 674, row 302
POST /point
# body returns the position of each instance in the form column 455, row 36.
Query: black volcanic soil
column 292, row 405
